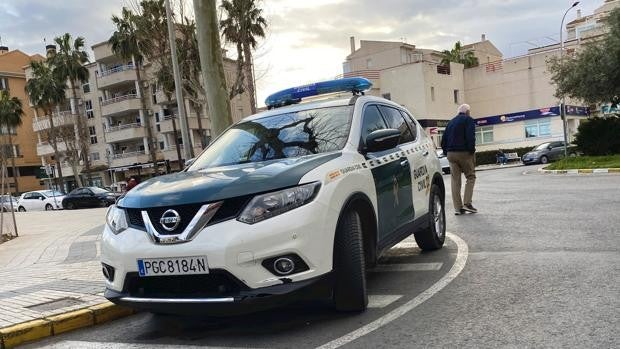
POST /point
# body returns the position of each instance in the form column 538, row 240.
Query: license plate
column 173, row 266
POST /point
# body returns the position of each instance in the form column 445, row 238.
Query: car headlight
column 116, row 219
column 268, row 205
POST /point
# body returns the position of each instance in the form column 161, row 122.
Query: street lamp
column 562, row 106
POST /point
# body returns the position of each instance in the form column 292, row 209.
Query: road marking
column 382, row 301
column 459, row 264
column 385, row 268
column 405, row 245
column 116, row 345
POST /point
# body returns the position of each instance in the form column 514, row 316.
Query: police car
column 293, row 203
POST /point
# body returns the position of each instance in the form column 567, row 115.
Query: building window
column 154, row 94
column 537, row 128
column 94, row 156
column 86, row 87
column 4, row 83
column 484, row 134
column 93, row 134
column 368, row 63
column 88, row 106
column 161, row 145
column 456, row 96
column 433, row 93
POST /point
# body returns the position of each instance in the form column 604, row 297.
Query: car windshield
column 98, row 190
column 50, row 193
column 281, row 136
column 542, row 146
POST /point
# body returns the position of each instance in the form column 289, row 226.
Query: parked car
column 290, row 203
column 40, row 200
column 89, row 197
column 443, row 161
column 8, row 203
column 546, row 152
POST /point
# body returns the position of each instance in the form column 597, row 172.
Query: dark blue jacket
column 460, row 135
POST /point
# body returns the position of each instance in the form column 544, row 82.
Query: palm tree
column 11, row 112
column 457, row 55
column 243, row 25
column 126, row 43
column 46, row 91
column 69, row 63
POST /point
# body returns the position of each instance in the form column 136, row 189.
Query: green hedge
column 489, row 156
column 599, row 136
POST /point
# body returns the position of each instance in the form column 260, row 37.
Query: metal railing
column 122, row 127
column 117, row 69
column 119, row 99
column 128, row 154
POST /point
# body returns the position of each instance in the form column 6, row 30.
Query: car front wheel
column 433, row 237
column 49, row 207
column 544, row 159
column 21, row 209
column 349, row 265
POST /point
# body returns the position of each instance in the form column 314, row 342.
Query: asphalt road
column 541, row 270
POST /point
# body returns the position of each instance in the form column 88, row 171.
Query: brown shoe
column 469, row 208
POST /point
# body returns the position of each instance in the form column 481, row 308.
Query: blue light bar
column 295, row 94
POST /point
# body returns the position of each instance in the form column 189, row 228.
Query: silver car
column 443, row 161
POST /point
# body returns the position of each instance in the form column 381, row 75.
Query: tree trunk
column 176, row 143
column 201, row 131
column 52, row 141
column 249, row 76
column 212, row 65
column 147, row 119
column 82, row 141
column 13, row 164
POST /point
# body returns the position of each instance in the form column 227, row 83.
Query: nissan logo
column 170, row 220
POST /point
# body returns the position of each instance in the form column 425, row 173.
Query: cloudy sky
column 308, row 40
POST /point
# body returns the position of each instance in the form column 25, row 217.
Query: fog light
column 284, row 266
column 108, row 272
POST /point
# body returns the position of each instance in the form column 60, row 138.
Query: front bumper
column 213, row 298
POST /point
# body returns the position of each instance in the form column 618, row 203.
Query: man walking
column 459, row 144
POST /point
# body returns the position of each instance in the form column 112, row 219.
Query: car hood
column 220, row 183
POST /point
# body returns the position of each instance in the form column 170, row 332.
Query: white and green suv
column 292, row 203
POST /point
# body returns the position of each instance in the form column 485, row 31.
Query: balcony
column 120, row 105
column 45, row 149
column 64, row 118
column 116, row 76
column 124, row 132
column 166, row 125
column 129, row 158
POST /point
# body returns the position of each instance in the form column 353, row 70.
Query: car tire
column 433, row 237
column 49, row 207
column 349, row 292
column 572, row 155
column 70, row 206
column 21, row 209
column 544, row 159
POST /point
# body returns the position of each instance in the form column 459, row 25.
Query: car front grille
column 218, row 283
column 230, row 209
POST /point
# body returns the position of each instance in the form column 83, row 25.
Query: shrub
column 599, row 136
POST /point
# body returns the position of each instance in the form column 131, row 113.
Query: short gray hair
column 464, row 108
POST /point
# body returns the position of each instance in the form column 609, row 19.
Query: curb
column 581, row 171
column 15, row 335
column 497, row 168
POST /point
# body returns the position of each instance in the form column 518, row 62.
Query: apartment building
column 28, row 167
column 112, row 103
column 512, row 99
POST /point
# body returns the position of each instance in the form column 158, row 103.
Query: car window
column 80, row 191
column 27, row 196
column 542, row 146
column 372, row 121
column 395, row 120
column 75, row 191
column 37, row 196
column 412, row 124
column 287, row 135
column 96, row 190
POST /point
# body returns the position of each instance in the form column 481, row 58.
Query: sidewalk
column 52, row 267
column 495, row 166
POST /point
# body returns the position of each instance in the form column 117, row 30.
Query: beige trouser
column 462, row 162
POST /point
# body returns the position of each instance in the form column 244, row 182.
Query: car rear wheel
column 70, row 206
column 544, row 159
column 49, row 207
column 433, row 237
column 349, row 266
column 21, row 209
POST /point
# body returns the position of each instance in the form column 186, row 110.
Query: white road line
column 384, row 268
column 116, row 345
column 382, row 301
column 459, row 264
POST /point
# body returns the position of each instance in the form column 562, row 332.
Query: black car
column 89, row 197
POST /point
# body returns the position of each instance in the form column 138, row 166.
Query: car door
column 90, row 199
column 392, row 177
column 24, row 201
column 37, row 203
column 421, row 175
column 557, row 150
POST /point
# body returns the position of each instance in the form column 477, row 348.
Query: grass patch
column 585, row 162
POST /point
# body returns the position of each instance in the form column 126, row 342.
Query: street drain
column 57, row 304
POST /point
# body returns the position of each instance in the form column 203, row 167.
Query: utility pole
column 187, row 146
column 212, row 66
column 562, row 106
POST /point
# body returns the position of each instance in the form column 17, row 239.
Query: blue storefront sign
column 531, row 114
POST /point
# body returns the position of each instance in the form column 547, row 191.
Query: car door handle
column 425, row 153
column 404, row 163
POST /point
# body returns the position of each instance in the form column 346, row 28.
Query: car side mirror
column 549, row 147
column 41, row 198
column 381, row 140
column 189, row 162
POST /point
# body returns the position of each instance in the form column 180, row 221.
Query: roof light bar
column 295, row 94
